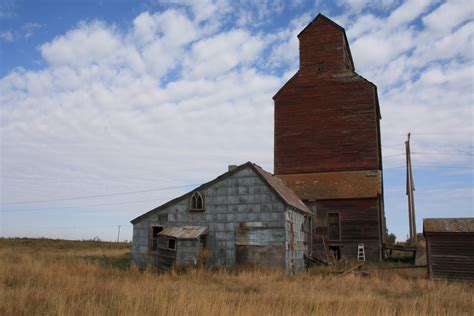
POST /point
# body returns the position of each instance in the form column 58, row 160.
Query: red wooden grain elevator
column 327, row 143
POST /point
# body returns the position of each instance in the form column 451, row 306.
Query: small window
column 155, row 231
column 334, row 226
column 172, row 244
column 197, row 202
column 321, row 67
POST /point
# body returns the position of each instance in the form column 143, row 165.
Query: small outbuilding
column 450, row 247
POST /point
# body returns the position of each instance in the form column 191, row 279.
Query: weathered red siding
column 327, row 126
column 326, row 120
column 360, row 223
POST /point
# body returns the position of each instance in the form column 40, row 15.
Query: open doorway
column 335, row 251
column 155, row 231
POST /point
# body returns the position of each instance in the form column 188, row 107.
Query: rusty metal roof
column 282, row 190
column 448, row 225
column 335, row 185
column 185, row 232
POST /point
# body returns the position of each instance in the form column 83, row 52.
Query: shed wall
column 187, row 252
column 297, row 242
column 260, row 246
column 450, row 255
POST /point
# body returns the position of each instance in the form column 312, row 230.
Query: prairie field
column 57, row 277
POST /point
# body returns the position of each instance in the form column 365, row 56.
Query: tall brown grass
column 70, row 278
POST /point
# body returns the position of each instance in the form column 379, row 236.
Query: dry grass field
column 51, row 277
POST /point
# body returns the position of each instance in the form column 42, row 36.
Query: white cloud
column 407, row 12
column 449, row 15
column 356, row 6
column 364, row 24
column 433, row 47
column 204, row 10
column 254, row 13
column 90, row 43
column 375, row 49
column 218, row 54
column 100, row 106
column 285, row 49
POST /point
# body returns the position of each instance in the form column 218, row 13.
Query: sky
column 111, row 108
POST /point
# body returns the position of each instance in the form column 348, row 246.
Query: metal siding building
column 249, row 217
column 450, row 247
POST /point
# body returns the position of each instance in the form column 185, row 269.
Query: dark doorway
column 334, row 227
column 155, row 230
column 335, row 251
column 203, row 241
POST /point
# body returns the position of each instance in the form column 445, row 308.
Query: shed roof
column 335, row 185
column 185, row 232
column 448, row 225
column 285, row 194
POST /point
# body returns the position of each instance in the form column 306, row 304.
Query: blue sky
column 152, row 98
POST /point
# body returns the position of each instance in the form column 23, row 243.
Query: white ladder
column 360, row 252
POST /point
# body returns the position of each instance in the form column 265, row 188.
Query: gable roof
column 340, row 28
column 284, row 194
column 448, row 225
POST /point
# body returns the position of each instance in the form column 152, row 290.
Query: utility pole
column 118, row 235
column 410, row 193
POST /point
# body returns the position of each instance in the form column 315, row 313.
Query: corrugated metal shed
column 449, row 225
column 186, row 232
column 335, row 185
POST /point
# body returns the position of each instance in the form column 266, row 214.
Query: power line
column 98, row 195
column 447, row 133
column 432, row 167
column 78, row 207
column 443, row 153
column 73, row 226
column 453, row 153
column 394, row 155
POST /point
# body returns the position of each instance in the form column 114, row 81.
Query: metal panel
column 271, row 256
column 260, row 246
column 260, row 236
column 186, row 232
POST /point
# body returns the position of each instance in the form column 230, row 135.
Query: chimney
column 232, row 167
